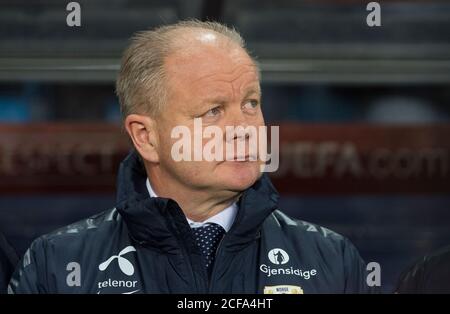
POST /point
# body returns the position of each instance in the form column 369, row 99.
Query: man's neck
column 197, row 205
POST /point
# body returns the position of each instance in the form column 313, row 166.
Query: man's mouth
column 244, row 158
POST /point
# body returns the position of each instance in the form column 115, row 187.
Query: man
column 429, row 275
column 190, row 226
column 8, row 261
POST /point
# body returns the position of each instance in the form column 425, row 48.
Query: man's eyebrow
column 223, row 98
column 220, row 99
column 252, row 90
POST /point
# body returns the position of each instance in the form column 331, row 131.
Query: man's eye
column 212, row 112
column 251, row 104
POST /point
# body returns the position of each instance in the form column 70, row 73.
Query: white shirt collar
column 225, row 218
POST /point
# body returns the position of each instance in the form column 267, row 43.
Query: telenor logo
column 278, row 256
column 125, row 266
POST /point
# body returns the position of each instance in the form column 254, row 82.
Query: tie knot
column 208, row 238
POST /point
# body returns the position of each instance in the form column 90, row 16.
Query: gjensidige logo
column 279, row 256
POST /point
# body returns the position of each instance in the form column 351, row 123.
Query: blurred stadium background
column 363, row 112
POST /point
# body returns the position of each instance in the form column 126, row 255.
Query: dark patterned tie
column 208, row 238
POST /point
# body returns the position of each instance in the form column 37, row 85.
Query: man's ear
column 142, row 131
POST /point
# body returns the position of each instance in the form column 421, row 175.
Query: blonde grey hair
column 140, row 85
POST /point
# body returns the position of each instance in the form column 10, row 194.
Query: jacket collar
column 160, row 223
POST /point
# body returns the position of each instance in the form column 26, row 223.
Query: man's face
column 220, row 86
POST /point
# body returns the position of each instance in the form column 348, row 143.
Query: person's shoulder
column 431, row 262
column 438, row 258
column 311, row 233
column 329, row 252
column 101, row 225
column 304, row 227
column 430, row 274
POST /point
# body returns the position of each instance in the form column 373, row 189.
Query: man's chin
column 239, row 176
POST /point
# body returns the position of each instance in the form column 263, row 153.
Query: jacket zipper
column 189, row 262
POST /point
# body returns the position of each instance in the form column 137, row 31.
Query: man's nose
column 238, row 119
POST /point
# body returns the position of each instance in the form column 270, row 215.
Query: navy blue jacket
column 145, row 245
